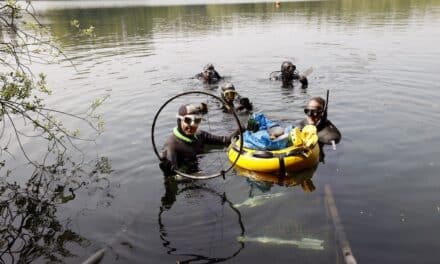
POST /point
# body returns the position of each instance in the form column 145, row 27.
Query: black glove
column 167, row 167
column 245, row 104
column 203, row 108
column 304, row 82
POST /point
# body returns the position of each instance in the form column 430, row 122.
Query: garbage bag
column 260, row 138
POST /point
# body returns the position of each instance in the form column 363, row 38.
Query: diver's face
column 288, row 70
column 229, row 96
column 314, row 111
column 209, row 74
column 189, row 124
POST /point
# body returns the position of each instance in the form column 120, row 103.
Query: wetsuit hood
column 227, row 88
column 209, row 73
column 189, row 109
column 288, row 67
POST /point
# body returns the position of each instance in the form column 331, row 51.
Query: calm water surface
column 380, row 61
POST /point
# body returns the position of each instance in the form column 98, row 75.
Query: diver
column 186, row 142
column 288, row 74
column 209, row 75
column 316, row 114
column 233, row 100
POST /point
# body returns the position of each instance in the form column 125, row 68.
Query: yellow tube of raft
column 251, row 159
column 303, row 154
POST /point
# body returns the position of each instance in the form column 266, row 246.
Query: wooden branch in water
column 339, row 230
column 96, row 257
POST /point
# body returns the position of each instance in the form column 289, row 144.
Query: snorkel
column 324, row 119
column 324, row 116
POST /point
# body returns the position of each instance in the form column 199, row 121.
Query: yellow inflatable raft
column 304, row 153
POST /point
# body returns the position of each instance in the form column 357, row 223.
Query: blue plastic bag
column 261, row 139
column 262, row 121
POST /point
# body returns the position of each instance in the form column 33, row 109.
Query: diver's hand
column 304, row 82
column 203, row 108
column 167, row 167
column 245, row 103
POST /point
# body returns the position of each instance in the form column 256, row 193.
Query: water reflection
column 119, row 24
column 373, row 54
column 30, row 225
column 185, row 189
column 265, row 181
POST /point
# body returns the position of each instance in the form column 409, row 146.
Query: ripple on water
column 379, row 59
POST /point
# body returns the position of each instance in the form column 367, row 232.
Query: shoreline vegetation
column 342, row 6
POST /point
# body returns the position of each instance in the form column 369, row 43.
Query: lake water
column 380, row 61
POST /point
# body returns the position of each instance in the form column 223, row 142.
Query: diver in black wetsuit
column 186, row 142
column 234, row 100
column 288, row 74
column 316, row 115
column 209, row 74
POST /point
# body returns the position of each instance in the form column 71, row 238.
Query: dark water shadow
column 265, row 181
column 174, row 188
column 30, row 226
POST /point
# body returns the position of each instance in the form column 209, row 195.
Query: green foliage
column 98, row 102
column 22, row 93
column 19, row 87
column 29, row 226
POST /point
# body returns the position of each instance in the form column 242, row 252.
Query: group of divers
column 186, row 141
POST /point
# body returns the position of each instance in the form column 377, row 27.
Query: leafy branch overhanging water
column 30, row 227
